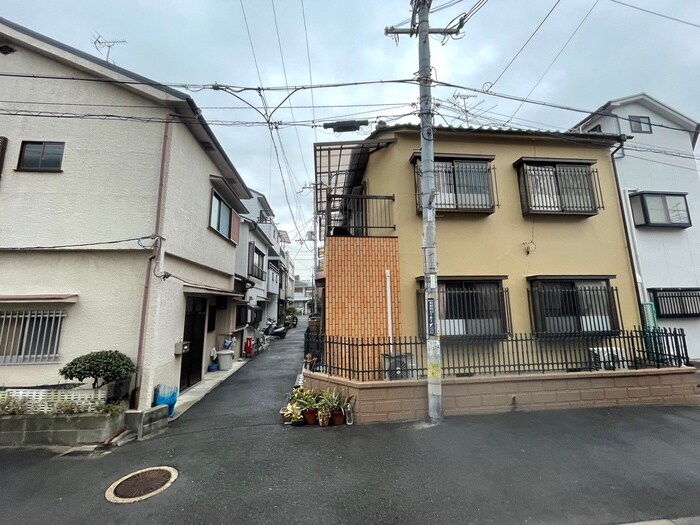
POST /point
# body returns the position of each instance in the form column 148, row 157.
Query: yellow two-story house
column 534, row 271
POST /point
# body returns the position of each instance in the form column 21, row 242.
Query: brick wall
column 356, row 286
column 382, row 401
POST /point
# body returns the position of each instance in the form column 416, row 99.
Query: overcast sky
column 617, row 51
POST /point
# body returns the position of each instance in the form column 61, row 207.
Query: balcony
column 359, row 216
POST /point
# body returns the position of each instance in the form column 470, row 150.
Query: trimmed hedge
column 108, row 365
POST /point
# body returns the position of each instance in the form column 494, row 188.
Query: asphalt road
column 238, row 465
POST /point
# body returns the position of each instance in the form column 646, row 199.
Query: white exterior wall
column 668, row 257
column 109, row 167
column 106, row 317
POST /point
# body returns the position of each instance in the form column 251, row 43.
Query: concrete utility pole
column 430, row 260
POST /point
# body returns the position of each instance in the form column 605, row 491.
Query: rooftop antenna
column 100, row 43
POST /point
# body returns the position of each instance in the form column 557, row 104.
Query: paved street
column 237, row 464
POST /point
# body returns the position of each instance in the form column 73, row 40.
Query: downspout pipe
column 629, row 235
column 150, row 266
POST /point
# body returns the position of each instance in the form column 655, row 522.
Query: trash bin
column 225, row 359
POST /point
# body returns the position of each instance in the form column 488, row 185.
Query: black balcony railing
column 376, row 359
column 257, row 272
column 359, row 215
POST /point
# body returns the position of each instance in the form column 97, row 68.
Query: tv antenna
column 101, row 43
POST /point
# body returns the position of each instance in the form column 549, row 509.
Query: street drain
column 141, row 485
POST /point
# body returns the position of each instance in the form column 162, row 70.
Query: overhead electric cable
column 491, row 84
column 82, row 244
column 656, row 14
column 556, row 57
column 250, row 40
column 308, row 60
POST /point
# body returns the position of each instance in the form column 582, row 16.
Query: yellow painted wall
column 490, row 245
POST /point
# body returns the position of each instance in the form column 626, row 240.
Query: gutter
column 629, row 234
column 155, row 252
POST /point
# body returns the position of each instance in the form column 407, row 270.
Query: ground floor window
column 30, row 336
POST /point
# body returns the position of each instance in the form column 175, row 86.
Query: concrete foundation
column 71, row 430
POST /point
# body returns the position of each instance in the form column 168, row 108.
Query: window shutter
column 235, row 226
column 251, row 257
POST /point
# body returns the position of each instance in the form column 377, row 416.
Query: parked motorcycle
column 275, row 329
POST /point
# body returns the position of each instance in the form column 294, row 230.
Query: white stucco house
column 119, row 219
column 660, row 187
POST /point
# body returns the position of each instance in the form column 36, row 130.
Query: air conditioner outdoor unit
column 400, row 366
column 606, row 358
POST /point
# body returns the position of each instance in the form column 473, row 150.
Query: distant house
column 660, row 188
column 119, row 220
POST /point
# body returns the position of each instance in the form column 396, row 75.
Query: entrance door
column 191, row 362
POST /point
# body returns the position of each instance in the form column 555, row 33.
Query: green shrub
column 108, row 365
column 13, row 407
column 63, row 408
column 113, row 409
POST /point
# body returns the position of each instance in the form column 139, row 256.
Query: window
column 676, row 302
column 660, row 209
column 211, row 318
column 470, row 308
column 558, row 188
column 30, row 336
column 640, row 124
column 241, row 314
column 461, row 185
column 562, row 306
column 41, row 156
column 223, row 219
column 256, row 262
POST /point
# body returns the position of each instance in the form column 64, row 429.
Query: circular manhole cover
column 141, row 485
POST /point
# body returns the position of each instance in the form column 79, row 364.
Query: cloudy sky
column 616, row 51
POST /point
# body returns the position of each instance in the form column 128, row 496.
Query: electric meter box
column 182, row 347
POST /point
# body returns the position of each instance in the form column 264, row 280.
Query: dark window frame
column 467, row 308
column 640, row 122
column 217, row 201
column 676, row 303
column 21, row 161
column 242, row 308
column 211, row 318
column 559, row 187
column 559, row 306
column 458, row 199
column 645, row 220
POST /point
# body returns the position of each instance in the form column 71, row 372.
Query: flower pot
column 311, row 416
column 323, row 420
column 337, row 417
column 214, row 367
column 298, row 423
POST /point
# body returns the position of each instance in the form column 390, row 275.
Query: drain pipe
column 387, row 273
column 155, row 251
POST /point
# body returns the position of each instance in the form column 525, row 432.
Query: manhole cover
column 141, row 485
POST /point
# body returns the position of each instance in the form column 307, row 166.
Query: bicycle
column 258, row 341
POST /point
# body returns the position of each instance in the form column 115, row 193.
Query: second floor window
column 676, row 302
column 640, row 124
column 41, row 156
column 256, row 262
column 460, row 185
column 558, row 188
column 660, row 209
column 223, row 219
column 575, row 306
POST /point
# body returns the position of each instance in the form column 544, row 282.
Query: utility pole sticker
column 434, row 364
column 431, row 317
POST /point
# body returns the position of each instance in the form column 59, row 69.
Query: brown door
column 191, row 362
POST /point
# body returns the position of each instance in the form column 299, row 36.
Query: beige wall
column 490, row 245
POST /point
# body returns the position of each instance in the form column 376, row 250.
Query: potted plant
column 324, row 413
column 308, row 403
column 292, row 413
column 334, row 400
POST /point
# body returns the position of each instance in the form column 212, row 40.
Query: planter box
column 71, row 430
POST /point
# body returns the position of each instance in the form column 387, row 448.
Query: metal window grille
column 561, row 188
column 676, row 303
column 569, row 307
column 461, row 185
column 30, row 336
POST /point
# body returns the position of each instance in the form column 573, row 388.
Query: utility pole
column 421, row 8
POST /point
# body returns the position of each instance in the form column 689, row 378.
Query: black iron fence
column 360, row 215
column 376, row 359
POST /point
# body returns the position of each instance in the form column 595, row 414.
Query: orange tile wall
column 356, row 286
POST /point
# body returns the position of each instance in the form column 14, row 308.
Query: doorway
column 191, row 362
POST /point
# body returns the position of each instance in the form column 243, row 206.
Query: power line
column 660, row 162
column 250, row 40
column 491, row 84
column 656, row 14
column 556, row 57
column 84, row 244
column 308, row 60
